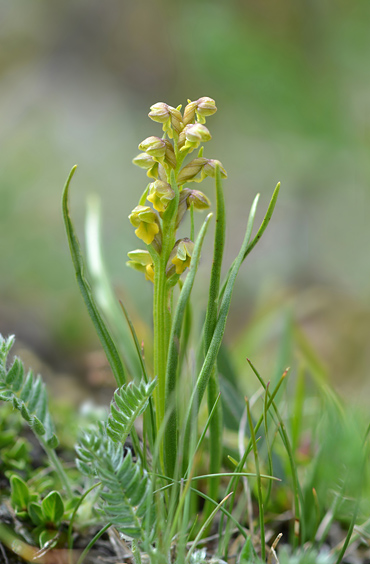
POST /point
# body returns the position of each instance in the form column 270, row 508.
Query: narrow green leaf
column 265, row 222
column 248, row 555
column 218, row 333
column 170, row 438
column 105, row 297
column 53, row 508
column 219, row 244
column 216, row 426
column 101, row 329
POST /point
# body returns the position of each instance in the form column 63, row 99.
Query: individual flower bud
column 159, row 112
column 160, row 195
column 146, row 221
column 190, row 171
column 154, row 146
column 195, row 134
column 170, row 157
column 198, row 199
column 161, row 173
column 209, row 169
column 180, row 257
column 143, row 262
column 176, row 120
column 143, row 160
column 183, row 205
column 205, row 107
column 189, row 112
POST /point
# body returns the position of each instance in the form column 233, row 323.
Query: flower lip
column 146, row 221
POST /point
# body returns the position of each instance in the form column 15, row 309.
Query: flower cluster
column 163, row 159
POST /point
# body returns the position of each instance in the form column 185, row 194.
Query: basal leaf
column 53, row 508
column 100, row 327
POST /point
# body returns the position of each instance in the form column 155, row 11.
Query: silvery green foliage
column 310, row 556
column 126, row 500
column 27, row 393
column 129, row 402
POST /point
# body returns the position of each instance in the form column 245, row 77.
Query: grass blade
column 216, row 427
column 259, row 483
column 105, row 297
column 101, row 329
column 170, row 437
column 218, row 333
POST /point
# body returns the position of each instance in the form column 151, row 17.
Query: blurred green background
column 292, row 84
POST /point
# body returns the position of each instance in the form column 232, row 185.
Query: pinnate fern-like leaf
column 27, row 393
column 129, row 402
column 126, row 499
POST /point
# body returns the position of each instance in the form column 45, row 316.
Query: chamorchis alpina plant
column 163, row 485
column 169, row 392
column 150, row 494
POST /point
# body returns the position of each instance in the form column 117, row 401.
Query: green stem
column 160, row 341
column 52, row 455
column 71, row 522
column 215, row 455
column 171, row 431
column 92, row 542
column 299, row 525
column 259, row 483
column 161, row 306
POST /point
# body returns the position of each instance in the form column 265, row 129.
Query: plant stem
column 161, row 306
column 259, row 484
column 52, row 455
column 70, row 526
column 92, row 542
column 213, row 391
column 160, row 341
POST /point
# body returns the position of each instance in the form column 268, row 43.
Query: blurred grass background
column 292, row 84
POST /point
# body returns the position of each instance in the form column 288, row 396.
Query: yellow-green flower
column 146, row 221
column 209, row 169
column 188, row 197
column 198, row 199
column 142, row 261
column 193, row 135
column 201, row 108
column 176, row 120
column 180, row 257
column 160, row 195
column 145, row 161
column 205, row 107
column 154, row 146
column 159, row 112
column 170, row 118
column 191, row 170
column 189, row 112
column 170, row 157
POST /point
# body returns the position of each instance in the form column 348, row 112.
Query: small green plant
column 45, row 515
column 180, row 477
